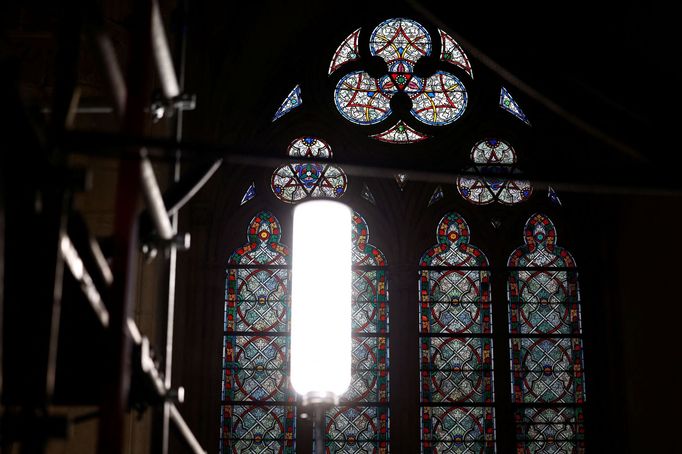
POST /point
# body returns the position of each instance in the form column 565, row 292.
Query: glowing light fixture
column 321, row 301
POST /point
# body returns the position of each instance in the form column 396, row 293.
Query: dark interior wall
column 648, row 288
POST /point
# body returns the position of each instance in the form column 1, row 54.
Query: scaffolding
column 54, row 256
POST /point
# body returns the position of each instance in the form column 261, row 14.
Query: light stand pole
column 321, row 307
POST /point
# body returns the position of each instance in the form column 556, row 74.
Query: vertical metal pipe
column 162, row 56
column 117, row 386
column 319, row 429
column 172, row 260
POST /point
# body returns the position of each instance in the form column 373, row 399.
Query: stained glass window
column 258, row 412
column 359, row 99
column 401, row 132
column 400, row 43
column 545, row 342
column 296, row 181
column 436, row 196
column 457, row 413
column 553, row 196
column 292, row 101
column 437, row 100
column 367, row 194
column 401, row 179
column 249, row 194
column 346, row 52
column 507, row 103
column 440, row 99
column 361, row 422
column 493, row 157
column 451, row 52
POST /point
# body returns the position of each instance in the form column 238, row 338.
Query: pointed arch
column 456, row 343
column 545, row 341
column 258, row 409
column 361, row 422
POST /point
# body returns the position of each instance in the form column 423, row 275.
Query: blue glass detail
column 436, row 196
column 507, row 103
column 553, row 196
column 249, row 194
column 292, row 101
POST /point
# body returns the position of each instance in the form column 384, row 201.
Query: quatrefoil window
column 437, row 100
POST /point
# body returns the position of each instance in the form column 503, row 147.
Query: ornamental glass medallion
column 360, row 99
column 546, row 342
column 258, row 412
column 436, row 100
column 400, row 43
column 457, row 398
column 441, row 100
column 296, row 181
column 361, row 422
column 493, row 158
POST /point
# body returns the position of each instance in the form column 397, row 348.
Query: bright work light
column 321, row 301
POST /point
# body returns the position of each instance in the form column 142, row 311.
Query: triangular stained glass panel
column 367, row 194
column 292, row 101
column 346, row 52
column 436, row 196
column 507, row 103
column 401, row 179
column 451, row 52
column 400, row 133
column 553, row 196
column 249, row 194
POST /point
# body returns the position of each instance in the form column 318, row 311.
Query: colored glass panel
column 400, row 43
column 249, row 194
column 401, row 179
column 547, row 370
column 346, row 52
column 459, row 430
column 437, row 100
column 358, row 430
column 367, row 194
column 400, row 133
column 553, row 196
column 547, row 362
column 360, row 99
column 258, row 428
column 436, row 196
column 458, row 370
column 451, row 52
column 256, row 343
column 507, row 103
column 292, row 101
column 456, row 345
column 494, row 157
column 296, row 181
column 440, row 99
column 554, row 430
column 361, row 422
